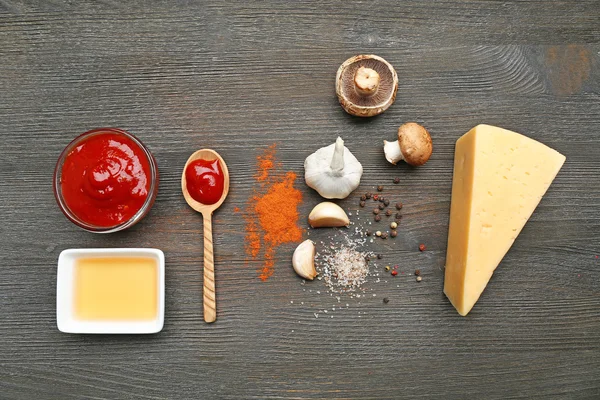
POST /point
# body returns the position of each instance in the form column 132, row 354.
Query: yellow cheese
column 499, row 178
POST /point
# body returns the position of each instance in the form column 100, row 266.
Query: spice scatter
column 271, row 214
column 344, row 261
column 344, row 269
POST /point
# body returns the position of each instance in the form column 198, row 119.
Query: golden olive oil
column 116, row 288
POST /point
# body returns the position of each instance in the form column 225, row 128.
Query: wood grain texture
column 239, row 77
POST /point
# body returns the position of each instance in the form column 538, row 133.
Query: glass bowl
column 147, row 205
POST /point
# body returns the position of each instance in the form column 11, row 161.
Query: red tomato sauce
column 105, row 180
column 205, row 181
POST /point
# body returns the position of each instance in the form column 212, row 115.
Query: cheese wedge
column 499, row 178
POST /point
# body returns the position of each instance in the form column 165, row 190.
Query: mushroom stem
column 366, row 81
column 392, row 151
column 337, row 161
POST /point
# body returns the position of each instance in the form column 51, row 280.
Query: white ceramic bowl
column 65, row 318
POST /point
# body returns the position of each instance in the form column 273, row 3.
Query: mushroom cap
column 366, row 106
column 415, row 143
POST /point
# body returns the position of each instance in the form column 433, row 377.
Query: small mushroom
column 328, row 215
column 366, row 85
column 413, row 145
column 303, row 260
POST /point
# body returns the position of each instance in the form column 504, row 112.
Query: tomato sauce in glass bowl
column 105, row 180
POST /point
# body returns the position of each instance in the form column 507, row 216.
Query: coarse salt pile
column 343, row 267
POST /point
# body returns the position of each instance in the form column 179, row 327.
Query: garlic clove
column 303, row 260
column 328, row 215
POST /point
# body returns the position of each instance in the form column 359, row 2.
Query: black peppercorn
column 363, row 197
column 368, row 195
column 381, row 206
column 398, row 206
column 379, row 256
column 377, row 218
column 393, row 234
column 381, row 199
column 386, row 300
column 379, row 188
column 388, row 213
column 396, row 180
column 376, row 211
column 386, row 202
column 398, row 216
column 368, row 233
column 384, row 235
column 362, row 203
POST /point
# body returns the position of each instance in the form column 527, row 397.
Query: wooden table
column 238, row 78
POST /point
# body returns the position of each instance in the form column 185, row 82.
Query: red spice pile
column 272, row 213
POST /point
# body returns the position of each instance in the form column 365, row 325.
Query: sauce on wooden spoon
column 205, row 180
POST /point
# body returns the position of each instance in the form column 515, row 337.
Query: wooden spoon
column 210, row 304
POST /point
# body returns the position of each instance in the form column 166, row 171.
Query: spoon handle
column 210, row 299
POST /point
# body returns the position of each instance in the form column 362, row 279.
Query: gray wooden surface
column 239, row 77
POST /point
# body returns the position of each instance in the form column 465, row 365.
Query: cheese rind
column 499, row 178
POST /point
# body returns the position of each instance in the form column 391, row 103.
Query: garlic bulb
column 333, row 171
column 303, row 260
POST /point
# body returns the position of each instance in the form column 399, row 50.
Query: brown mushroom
column 413, row 145
column 366, row 85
